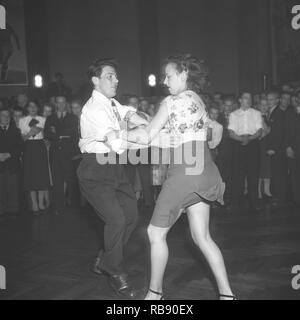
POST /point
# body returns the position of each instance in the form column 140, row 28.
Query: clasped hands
column 35, row 130
column 245, row 139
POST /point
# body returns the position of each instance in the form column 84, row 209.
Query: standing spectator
column 145, row 170
column 47, row 110
column 76, row 109
column 285, row 101
column 264, row 190
column 61, row 129
column 276, row 149
column 22, row 102
column 245, row 129
column 217, row 131
column 225, row 150
column 18, row 114
column 36, row 174
column 292, row 144
column 10, row 154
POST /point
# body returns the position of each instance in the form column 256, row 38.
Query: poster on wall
column 13, row 59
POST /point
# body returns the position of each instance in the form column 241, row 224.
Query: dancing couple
column 105, row 130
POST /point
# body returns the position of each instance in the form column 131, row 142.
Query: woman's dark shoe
column 227, row 297
column 158, row 294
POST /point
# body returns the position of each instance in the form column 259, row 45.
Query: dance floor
column 49, row 257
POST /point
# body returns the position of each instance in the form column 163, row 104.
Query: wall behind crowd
column 82, row 30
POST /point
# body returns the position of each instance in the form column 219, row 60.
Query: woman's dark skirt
column 36, row 170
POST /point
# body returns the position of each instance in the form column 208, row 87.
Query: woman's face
column 32, row 109
column 175, row 81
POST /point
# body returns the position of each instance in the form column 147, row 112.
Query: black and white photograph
column 150, row 150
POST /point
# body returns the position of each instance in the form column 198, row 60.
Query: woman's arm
column 144, row 135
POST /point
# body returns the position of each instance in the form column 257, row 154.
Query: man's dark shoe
column 121, row 287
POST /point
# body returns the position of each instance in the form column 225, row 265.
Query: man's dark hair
column 274, row 92
column 6, row 109
column 96, row 68
column 61, row 96
column 245, row 92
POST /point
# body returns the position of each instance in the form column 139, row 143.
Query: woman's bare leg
column 159, row 259
column 198, row 216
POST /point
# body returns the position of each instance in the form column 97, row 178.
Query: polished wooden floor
column 49, row 257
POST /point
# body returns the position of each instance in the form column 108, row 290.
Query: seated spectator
column 36, row 171
column 10, row 153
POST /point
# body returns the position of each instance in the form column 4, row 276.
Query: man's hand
column 290, row 153
column 271, row 152
column 53, row 129
column 245, row 140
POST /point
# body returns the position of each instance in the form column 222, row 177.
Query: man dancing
column 106, row 186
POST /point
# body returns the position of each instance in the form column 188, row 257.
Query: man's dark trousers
column 108, row 190
column 245, row 164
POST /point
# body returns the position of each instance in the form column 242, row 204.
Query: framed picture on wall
column 13, row 58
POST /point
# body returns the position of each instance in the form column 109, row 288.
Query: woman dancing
column 182, row 191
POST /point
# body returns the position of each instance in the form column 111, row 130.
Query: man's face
column 17, row 116
column 47, row 111
column 4, row 118
column 214, row 114
column 22, row 100
column 217, row 97
column 263, row 106
column 61, row 104
column 133, row 102
column 273, row 100
column 144, row 105
column 107, row 84
column 285, row 100
column 246, row 100
column 76, row 109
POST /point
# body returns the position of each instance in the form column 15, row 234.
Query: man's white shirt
column 245, row 122
column 98, row 119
